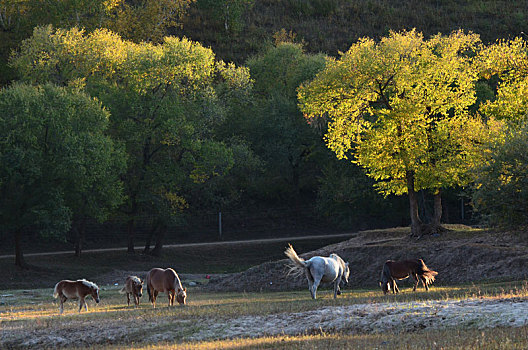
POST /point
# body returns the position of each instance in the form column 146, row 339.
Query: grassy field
column 29, row 315
column 33, row 314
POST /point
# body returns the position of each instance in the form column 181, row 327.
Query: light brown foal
column 79, row 289
column 133, row 286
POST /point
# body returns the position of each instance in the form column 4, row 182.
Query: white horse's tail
column 299, row 265
column 123, row 290
column 55, row 292
column 290, row 253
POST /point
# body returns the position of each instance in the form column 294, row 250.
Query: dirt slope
column 459, row 256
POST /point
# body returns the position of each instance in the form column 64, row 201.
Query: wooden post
column 220, row 224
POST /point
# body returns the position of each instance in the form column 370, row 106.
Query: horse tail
column 123, row 290
column 292, row 255
column 425, row 272
column 55, row 290
column 147, row 282
column 299, row 265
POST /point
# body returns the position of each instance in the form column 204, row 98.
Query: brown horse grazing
column 76, row 290
column 165, row 281
column 133, row 286
column 414, row 268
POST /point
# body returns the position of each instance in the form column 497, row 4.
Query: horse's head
column 181, row 295
column 346, row 274
column 138, row 287
column 385, row 286
column 94, row 292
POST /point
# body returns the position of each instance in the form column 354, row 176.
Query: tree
column 506, row 62
column 19, row 17
column 399, row 107
column 276, row 128
column 227, row 12
column 50, row 139
column 164, row 104
column 499, row 191
column 146, row 20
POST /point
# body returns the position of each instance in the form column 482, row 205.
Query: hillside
column 330, row 26
column 459, row 256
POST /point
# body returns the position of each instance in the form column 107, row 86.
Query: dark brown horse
column 133, row 286
column 165, row 281
column 75, row 290
column 414, row 268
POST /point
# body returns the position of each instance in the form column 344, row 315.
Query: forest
column 147, row 122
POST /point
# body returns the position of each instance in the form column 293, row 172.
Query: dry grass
column 36, row 311
column 498, row 338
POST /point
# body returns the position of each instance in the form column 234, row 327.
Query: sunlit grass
column 37, row 311
column 472, row 339
column 21, row 306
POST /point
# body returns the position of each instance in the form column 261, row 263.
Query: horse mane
column 55, row 292
column 88, row 283
column 338, row 259
column 135, row 279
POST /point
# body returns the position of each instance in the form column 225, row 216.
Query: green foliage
column 276, row 128
column 500, row 194
column 507, row 62
column 227, row 13
column 501, row 190
column 279, row 70
column 135, row 20
column 51, row 142
column 145, row 20
column 164, row 104
column 313, row 8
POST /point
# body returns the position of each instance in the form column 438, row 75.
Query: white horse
column 320, row 269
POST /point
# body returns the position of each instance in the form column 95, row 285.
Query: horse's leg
column 424, row 282
column 81, row 302
column 314, row 287
column 62, row 300
column 394, row 286
column 154, row 296
column 169, row 294
column 136, row 299
column 415, row 279
column 336, row 287
column 310, row 281
column 128, row 299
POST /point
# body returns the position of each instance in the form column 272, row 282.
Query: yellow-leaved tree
column 399, row 107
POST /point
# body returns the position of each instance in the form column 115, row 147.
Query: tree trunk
column 130, row 229
column 80, row 230
column 437, row 215
column 19, row 255
column 416, row 223
column 159, row 241
column 148, row 241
